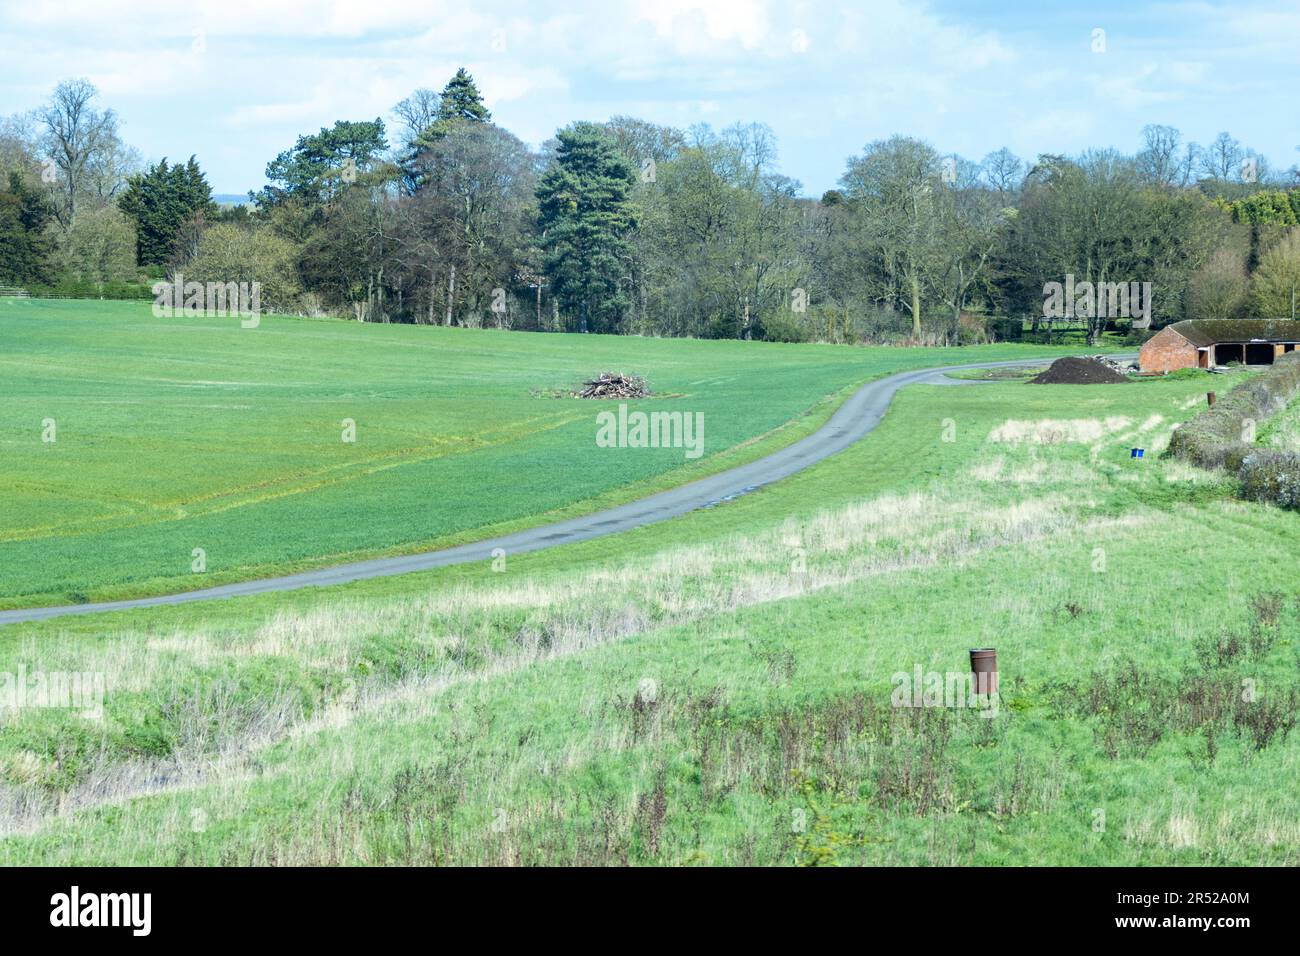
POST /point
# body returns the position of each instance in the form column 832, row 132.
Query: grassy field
column 1015, row 374
column 172, row 435
column 1283, row 430
column 719, row 689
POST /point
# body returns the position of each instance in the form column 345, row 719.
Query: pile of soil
column 614, row 385
column 1073, row 370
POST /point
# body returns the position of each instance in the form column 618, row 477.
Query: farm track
column 852, row 421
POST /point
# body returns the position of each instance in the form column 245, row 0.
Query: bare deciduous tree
column 417, row 113
column 1221, row 160
column 895, row 183
column 1277, row 280
column 1159, row 160
column 1218, row 289
column 80, row 140
column 1005, row 172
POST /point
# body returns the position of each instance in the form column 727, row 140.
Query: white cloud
column 701, row 26
column 272, row 71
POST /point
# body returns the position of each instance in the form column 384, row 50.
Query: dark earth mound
column 1073, row 370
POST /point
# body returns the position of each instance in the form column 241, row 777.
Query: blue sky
column 237, row 81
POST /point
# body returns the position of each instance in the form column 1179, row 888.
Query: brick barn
column 1205, row 343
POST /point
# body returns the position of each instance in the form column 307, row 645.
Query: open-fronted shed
column 1205, row 343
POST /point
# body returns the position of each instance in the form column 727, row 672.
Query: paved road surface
column 850, row 422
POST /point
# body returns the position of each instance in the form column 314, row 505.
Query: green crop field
column 721, row 688
column 177, row 434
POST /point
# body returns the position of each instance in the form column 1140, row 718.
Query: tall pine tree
column 24, row 246
column 585, row 212
column 460, row 101
column 321, row 166
column 160, row 201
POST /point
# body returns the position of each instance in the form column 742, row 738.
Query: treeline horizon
column 441, row 216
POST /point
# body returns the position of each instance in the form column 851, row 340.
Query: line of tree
column 631, row 227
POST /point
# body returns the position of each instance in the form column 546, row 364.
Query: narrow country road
column 859, row 414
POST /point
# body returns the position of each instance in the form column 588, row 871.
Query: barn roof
column 1202, row 332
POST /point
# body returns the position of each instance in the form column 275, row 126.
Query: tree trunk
column 451, row 292
column 916, row 306
column 959, row 300
column 432, row 280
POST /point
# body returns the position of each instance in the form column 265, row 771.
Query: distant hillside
column 230, row 199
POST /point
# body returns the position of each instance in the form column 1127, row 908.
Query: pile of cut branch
column 1123, row 366
column 614, row 385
